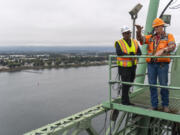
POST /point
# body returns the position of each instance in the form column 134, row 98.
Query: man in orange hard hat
column 159, row 43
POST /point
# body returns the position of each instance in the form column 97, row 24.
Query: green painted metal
column 65, row 132
column 145, row 112
column 76, row 131
column 152, row 14
column 132, row 125
column 144, row 122
column 135, row 84
column 110, row 99
column 109, row 130
column 175, row 77
column 110, row 62
column 84, row 125
column 81, row 120
column 148, row 114
column 125, row 125
column 119, row 123
column 91, row 131
column 145, row 85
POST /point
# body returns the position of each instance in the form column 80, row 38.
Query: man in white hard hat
column 126, row 66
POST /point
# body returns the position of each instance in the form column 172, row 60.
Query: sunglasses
column 127, row 32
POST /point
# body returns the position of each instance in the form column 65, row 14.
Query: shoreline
column 51, row 67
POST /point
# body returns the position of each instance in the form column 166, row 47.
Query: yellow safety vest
column 127, row 62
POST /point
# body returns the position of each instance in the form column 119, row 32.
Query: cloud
column 70, row 22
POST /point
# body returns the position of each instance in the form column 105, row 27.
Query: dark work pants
column 127, row 74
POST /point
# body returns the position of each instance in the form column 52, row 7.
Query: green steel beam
column 65, row 132
column 126, row 122
column 110, row 62
column 76, row 132
column 175, row 70
column 63, row 125
column 133, row 131
column 145, row 121
column 109, row 130
column 85, row 125
column 152, row 14
column 145, row 112
column 127, row 128
column 155, row 125
column 91, row 131
column 119, row 123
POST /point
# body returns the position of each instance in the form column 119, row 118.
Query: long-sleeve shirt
column 119, row 51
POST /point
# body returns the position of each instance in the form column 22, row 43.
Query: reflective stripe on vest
column 127, row 62
column 163, row 43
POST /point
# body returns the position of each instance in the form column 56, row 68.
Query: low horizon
column 58, row 46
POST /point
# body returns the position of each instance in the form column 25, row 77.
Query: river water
column 30, row 99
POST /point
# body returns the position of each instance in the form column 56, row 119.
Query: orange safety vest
column 163, row 43
column 127, row 62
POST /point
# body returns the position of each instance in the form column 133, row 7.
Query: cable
column 165, row 8
column 119, row 87
column 110, row 125
column 104, row 127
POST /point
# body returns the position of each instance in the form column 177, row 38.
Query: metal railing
column 111, row 82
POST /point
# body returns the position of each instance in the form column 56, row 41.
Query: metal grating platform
column 143, row 100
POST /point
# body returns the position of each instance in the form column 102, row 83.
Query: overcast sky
column 72, row 22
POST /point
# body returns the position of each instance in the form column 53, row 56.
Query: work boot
column 154, row 108
column 128, row 103
column 131, row 104
column 166, row 109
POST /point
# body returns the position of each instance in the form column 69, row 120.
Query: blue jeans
column 160, row 71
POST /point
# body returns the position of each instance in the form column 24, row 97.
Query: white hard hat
column 125, row 29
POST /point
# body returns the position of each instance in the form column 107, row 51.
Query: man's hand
column 138, row 33
column 166, row 50
column 138, row 27
column 160, row 52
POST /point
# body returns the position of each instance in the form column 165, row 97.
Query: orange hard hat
column 157, row 22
